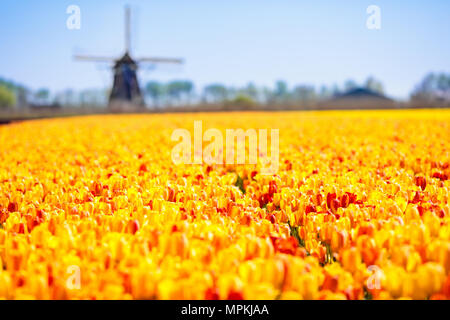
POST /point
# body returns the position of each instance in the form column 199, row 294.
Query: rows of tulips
column 94, row 208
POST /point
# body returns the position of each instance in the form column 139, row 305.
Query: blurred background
column 80, row 57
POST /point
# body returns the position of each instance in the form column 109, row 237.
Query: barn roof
column 358, row 98
column 362, row 93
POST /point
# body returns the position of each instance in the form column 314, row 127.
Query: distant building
column 358, row 98
column 126, row 94
column 44, row 107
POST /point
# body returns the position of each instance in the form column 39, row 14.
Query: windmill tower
column 126, row 94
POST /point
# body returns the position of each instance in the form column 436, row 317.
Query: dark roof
column 126, row 59
column 358, row 98
column 361, row 93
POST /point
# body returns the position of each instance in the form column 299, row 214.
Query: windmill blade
column 127, row 29
column 161, row 60
column 93, row 58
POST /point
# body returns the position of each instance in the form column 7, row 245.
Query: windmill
column 126, row 94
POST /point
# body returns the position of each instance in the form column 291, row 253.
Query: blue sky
column 233, row 42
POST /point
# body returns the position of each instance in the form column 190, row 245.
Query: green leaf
column 240, row 184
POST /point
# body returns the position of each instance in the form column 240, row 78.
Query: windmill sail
column 126, row 94
column 94, row 58
column 127, row 30
column 160, row 60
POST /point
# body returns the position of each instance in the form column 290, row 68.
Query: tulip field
column 93, row 207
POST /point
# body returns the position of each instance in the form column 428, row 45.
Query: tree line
column 435, row 87
column 182, row 92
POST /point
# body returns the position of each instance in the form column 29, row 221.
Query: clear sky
column 232, row 42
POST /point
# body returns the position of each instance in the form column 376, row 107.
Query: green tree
column 433, row 87
column 175, row 90
column 267, row 95
column 374, row 85
column 335, row 91
column 22, row 94
column 325, row 92
column 304, row 94
column 187, row 89
column 215, row 93
column 42, row 96
column 350, row 85
column 443, row 83
column 251, row 91
column 155, row 90
column 281, row 91
column 92, row 97
column 242, row 100
column 7, row 97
